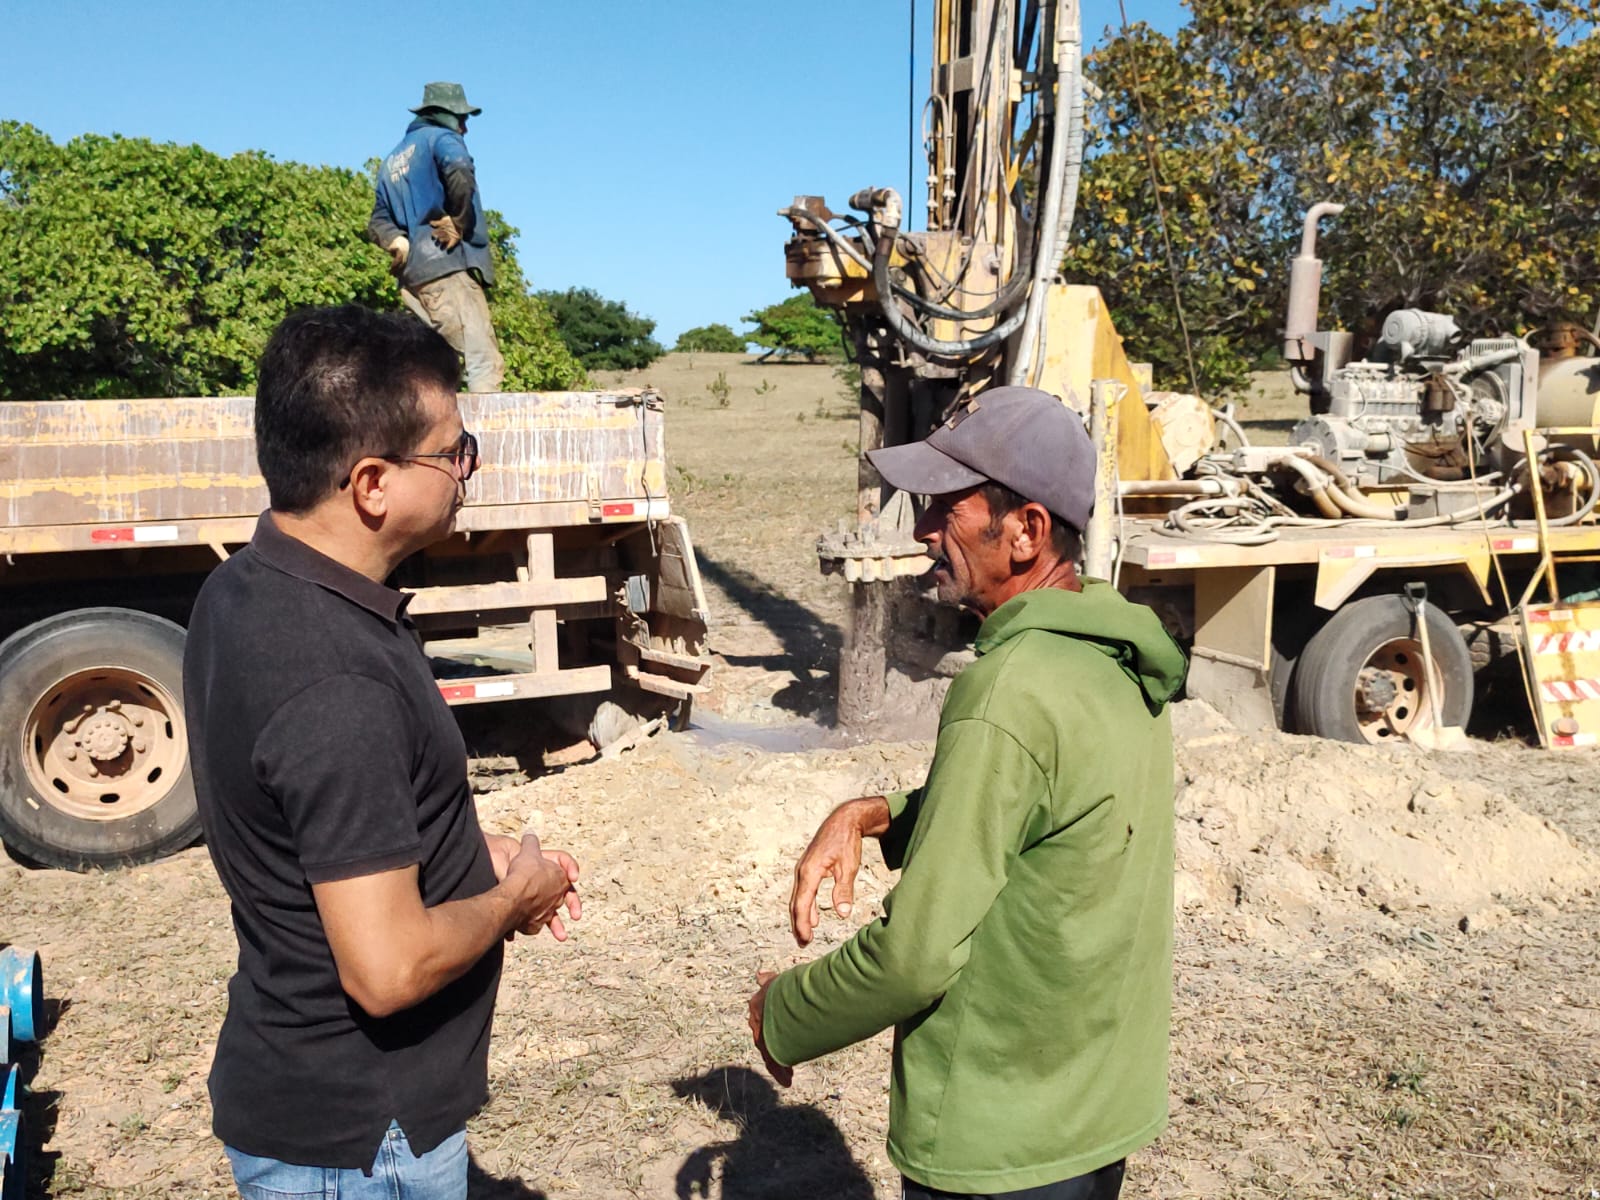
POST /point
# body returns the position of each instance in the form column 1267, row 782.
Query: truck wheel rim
column 104, row 744
column 1391, row 692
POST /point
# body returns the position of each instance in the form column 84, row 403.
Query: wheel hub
column 104, row 744
column 104, row 734
column 1375, row 690
column 1392, row 693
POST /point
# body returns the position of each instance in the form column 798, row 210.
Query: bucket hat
column 451, row 97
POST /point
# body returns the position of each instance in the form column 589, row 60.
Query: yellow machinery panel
column 1081, row 346
column 1562, row 644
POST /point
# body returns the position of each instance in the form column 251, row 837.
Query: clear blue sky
column 641, row 146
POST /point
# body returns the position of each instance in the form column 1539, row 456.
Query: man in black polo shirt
column 369, row 906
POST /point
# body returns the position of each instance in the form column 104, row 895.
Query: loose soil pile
column 1387, row 971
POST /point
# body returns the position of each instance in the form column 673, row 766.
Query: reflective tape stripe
column 1569, row 691
column 1580, row 642
column 477, row 691
column 1164, row 557
column 136, row 533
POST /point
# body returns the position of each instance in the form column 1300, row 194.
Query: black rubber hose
column 904, row 329
column 1018, row 284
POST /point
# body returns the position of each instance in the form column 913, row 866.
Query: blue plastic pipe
column 13, row 1172
column 22, row 991
column 8, row 1097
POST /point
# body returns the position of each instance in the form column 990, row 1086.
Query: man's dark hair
column 336, row 385
column 1065, row 540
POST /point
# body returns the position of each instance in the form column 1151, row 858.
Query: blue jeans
column 397, row 1174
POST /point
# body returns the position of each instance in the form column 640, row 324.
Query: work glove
column 445, row 233
column 399, row 250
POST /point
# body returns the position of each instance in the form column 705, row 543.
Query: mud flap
column 661, row 650
column 1561, row 650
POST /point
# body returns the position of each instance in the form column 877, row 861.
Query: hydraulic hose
column 1358, row 505
column 1016, row 287
column 1232, row 425
column 832, row 234
column 1593, row 472
column 1316, row 485
column 1046, row 264
column 1334, row 472
column 885, row 207
column 1180, row 487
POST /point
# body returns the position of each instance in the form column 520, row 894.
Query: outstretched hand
column 835, row 850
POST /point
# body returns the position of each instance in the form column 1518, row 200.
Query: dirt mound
column 1280, row 831
column 1274, row 832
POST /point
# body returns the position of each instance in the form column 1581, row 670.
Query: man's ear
column 1032, row 532
column 369, row 482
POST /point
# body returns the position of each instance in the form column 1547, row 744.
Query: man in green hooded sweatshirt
column 1024, row 958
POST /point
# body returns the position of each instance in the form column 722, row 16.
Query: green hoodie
column 1025, row 955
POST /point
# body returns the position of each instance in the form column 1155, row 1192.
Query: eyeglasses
column 464, row 457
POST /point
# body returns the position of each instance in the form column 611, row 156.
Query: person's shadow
column 782, row 1151
column 483, row 1186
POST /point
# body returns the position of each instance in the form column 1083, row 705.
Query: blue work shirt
column 416, row 184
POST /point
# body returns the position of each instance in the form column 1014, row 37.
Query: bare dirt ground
column 1387, row 967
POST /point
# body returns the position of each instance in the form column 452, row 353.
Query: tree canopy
column 142, row 269
column 1462, row 135
column 710, row 339
column 602, row 334
column 797, row 326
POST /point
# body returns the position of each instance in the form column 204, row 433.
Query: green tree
column 1157, row 126
column 1463, row 136
column 602, row 334
column 710, row 339
column 135, row 268
column 797, row 326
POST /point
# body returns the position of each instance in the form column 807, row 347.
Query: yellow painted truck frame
column 1280, row 628
column 112, row 513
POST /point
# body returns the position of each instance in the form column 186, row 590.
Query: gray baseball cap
column 1018, row 436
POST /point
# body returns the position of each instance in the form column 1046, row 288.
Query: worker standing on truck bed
column 428, row 215
column 331, row 777
column 1025, row 955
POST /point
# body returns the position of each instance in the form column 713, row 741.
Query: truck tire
column 94, row 749
column 1361, row 677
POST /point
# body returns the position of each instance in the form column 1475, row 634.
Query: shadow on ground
column 809, row 644
column 781, row 1151
column 483, row 1186
column 39, row 1109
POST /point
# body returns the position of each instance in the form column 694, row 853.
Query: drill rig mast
column 973, row 300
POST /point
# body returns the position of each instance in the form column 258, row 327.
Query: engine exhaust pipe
column 1305, row 288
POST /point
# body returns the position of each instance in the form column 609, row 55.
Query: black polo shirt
column 322, row 750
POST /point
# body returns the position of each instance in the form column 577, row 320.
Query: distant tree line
column 606, row 335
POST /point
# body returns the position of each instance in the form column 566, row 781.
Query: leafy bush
column 797, row 326
column 141, row 269
column 710, row 339
column 602, row 334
